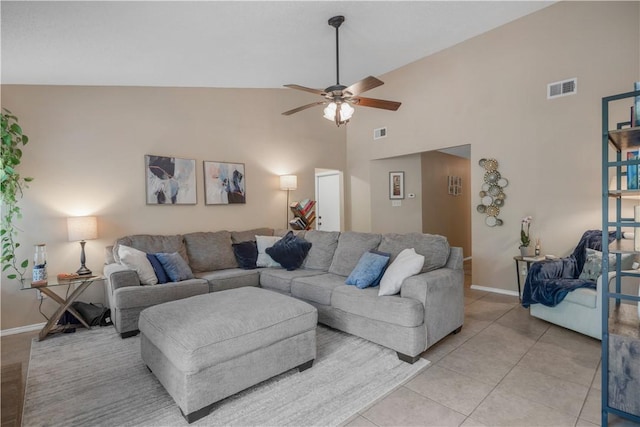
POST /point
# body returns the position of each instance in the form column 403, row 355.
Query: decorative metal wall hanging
column 492, row 196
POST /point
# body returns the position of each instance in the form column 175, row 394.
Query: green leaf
column 25, row 263
column 11, row 276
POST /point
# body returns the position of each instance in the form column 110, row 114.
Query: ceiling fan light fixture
column 344, row 113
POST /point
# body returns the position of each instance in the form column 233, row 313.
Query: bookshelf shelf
column 304, row 214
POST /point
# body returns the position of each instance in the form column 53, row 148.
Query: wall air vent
column 379, row 133
column 563, row 88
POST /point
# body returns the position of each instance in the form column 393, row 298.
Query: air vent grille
column 379, row 133
column 562, row 88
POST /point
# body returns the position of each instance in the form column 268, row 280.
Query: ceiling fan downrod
column 335, row 22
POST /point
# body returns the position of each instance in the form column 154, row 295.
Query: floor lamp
column 288, row 182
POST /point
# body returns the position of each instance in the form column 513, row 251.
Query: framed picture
column 224, row 183
column 170, row 180
column 396, row 185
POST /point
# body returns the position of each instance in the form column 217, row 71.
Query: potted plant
column 12, row 186
column 525, row 239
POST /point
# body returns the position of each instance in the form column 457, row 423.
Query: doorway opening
column 447, row 195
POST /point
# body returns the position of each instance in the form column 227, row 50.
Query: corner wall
column 490, row 92
column 86, row 153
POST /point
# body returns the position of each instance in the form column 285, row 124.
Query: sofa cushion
column 209, row 251
column 264, row 242
column 317, row 288
column 582, row 296
column 244, row 236
column 152, row 244
column 230, row 278
column 323, row 246
column 246, row 254
column 396, row 310
column 433, row 247
column 369, row 270
column 406, row 264
column 176, row 268
column 137, row 260
column 290, row 251
column 351, row 246
column 158, row 269
column 280, row 280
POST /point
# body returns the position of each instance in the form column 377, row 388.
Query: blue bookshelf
column 620, row 322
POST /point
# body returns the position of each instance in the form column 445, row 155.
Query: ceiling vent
column 563, row 88
column 379, row 133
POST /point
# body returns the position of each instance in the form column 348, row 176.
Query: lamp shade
column 288, row 182
column 82, row 228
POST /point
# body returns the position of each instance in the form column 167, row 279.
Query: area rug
column 95, row 378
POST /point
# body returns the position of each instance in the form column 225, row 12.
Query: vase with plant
column 12, row 186
column 525, row 239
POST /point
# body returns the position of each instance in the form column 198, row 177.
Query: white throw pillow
column 406, row 264
column 264, row 242
column 137, row 260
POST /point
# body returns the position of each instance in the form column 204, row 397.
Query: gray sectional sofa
column 430, row 305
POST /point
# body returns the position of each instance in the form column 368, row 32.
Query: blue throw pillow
column 290, row 251
column 158, row 269
column 369, row 270
column 176, row 267
column 246, row 254
column 379, row 278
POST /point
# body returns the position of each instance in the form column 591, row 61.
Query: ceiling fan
column 339, row 98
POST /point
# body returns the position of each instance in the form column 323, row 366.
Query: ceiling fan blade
column 304, row 107
column 364, row 85
column 376, row 103
column 307, row 89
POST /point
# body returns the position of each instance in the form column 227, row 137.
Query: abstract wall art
column 170, row 180
column 224, row 183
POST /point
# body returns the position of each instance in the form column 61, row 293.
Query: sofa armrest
column 118, row 276
column 441, row 292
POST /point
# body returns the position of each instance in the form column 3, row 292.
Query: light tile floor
column 505, row 368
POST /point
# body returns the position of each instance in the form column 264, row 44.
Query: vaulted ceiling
column 242, row 44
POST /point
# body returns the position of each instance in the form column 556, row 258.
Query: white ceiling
column 262, row 44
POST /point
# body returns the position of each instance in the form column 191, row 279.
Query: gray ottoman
column 208, row 347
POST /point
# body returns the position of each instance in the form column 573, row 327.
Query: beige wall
column 443, row 213
column 86, row 152
column 407, row 217
column 490, row 92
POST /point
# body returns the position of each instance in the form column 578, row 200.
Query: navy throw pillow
column 158, row 269
column 246, row 254
column 290, row 251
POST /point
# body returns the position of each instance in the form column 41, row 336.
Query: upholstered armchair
column 560, row 292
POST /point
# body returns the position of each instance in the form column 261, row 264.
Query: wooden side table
column 64, row 304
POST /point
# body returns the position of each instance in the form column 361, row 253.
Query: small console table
column 518, row 259
column 81, row 283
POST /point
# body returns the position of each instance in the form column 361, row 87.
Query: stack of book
column 303, row 213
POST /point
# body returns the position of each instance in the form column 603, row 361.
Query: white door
column 329, row 202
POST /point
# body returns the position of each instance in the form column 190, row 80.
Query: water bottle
column 40, row 264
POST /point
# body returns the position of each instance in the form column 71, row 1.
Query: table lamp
column 288, row 182
column 81, row 228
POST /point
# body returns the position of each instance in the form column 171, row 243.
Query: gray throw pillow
column 592, row 268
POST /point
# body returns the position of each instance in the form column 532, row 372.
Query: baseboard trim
column 466, row 259
column 495, row 290
column 21, row 329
